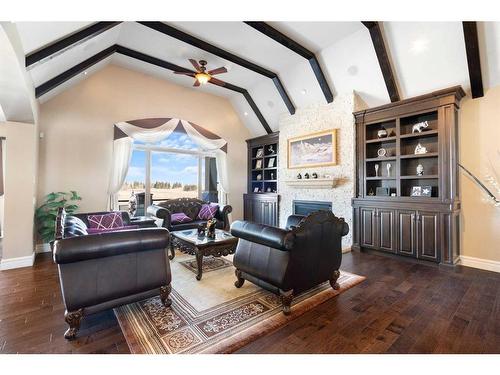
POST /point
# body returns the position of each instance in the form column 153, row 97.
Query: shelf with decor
column 406, row 191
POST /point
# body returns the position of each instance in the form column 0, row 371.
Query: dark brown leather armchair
column 292, row 260
column 191, row 207
column 98, row 272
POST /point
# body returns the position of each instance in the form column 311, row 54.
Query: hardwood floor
column 402, row 307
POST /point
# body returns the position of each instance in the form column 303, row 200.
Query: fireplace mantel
column 312, row 183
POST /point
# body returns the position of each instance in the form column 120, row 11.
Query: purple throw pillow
column 119, row 229
column 208, row 211
column 180, row 217
column 105, row 221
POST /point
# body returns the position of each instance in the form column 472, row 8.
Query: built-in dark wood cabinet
column 389, row 214
column 261, row 203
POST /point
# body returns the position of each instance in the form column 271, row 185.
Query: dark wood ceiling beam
column 383, row 59
column 62, row 44
column 75, row 70
column 289, row 43
column 473, row 58
column 79, row 68
column 205, row 46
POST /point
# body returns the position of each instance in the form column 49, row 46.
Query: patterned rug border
column 266, row 326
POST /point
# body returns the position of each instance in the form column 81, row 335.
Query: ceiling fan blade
column 196, row 83
column 185, row 73
column 217, row 82
column 195, row 64
column 220, row 70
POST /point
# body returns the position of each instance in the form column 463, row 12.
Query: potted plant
column 46, row 214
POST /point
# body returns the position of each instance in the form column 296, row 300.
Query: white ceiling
column 426, row 56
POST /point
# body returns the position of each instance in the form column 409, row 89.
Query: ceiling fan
column 202, row 76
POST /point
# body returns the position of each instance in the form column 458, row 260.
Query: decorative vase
column 382, row 133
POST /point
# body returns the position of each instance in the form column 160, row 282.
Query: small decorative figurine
column 417, row 128
column 306, row 176
column 381, row 152
column 201, row 230
column 389, row 169
column 420, row 170
column 419, row 150
column 272, row 175
column 370, row 192
column 314, row 175
column 268, row 189
column 259, row 177
column 376, row 170
column 211, row 228
column 299, row 177
column 382, row 133
column 271, row 149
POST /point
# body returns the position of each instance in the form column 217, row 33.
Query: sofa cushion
column 180, row 217
column 105, row 221
column 207, row 211
column 106, row 230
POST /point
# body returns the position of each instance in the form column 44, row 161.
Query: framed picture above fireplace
column 313, row 150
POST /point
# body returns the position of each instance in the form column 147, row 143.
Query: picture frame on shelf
column 255, row 189
column 258, row 164
column 416, row 191
column 426, row 191
column 270, row 163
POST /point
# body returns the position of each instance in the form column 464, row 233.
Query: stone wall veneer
column 315, row 118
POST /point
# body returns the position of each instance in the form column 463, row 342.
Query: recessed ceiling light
column 270, row 104
column 418, row 46
column 84, row 73
column 245, row 113
column 303, row 91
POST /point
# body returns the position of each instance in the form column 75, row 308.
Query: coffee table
column 189, row 242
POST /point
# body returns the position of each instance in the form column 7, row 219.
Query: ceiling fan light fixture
column 203, row 78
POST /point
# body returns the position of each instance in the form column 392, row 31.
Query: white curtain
column 207, row 144
column 122, row 153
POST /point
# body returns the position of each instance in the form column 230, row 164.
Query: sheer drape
column 122, row 152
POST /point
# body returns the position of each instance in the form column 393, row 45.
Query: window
column 173, row 168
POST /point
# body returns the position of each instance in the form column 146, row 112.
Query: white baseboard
column 346, row 250
column 43, row 248
column 484, row 264
column 11, row 263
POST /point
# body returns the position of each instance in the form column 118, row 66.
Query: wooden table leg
column 172, row 249
column 199, row 264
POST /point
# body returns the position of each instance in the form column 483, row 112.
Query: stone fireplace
column 315, row 118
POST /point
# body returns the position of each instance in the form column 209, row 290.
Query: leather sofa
column 102, row 271
column 191, row 207
column 292, row 260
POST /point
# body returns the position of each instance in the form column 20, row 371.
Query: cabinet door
column 385, row 230
column 368, row 227
column 407, row 233
column 427, row 235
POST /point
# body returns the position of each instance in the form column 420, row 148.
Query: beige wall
column 20, row 172
column 480, row 145
column 76, row 151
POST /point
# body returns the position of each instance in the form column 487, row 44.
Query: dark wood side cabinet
column 261, row 203
column 407, row 200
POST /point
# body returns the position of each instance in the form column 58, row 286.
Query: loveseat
column 108, row 269
column 191, row 208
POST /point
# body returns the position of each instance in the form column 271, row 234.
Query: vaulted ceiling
column 272, row 69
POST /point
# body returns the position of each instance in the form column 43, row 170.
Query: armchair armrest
column 266, row 235
column 93, row 246
column 160, row 213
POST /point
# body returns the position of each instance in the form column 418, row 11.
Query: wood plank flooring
column 402, row 307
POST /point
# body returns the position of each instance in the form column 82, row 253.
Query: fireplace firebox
column 300, row 207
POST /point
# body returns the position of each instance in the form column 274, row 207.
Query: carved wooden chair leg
column 73, row 319
column 333, row 281
column 240, row 281
column 172, row 251
column 164, row 293
column 286, row 300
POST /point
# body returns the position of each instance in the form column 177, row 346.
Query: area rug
column 211, row 315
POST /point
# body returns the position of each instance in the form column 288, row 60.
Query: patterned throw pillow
column 208, row 211
column 181, row 217
column 105, row 221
